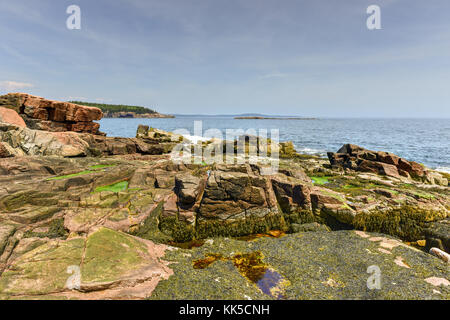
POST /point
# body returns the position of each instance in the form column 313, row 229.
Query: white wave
column 443, row 169
column 310, row 151
column 195, row 139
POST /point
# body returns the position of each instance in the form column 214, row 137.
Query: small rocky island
column 271, row 118
column 139, row 226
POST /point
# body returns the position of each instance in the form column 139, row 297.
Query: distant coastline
column 132, row 115
column 124, row 111
column 247, row 116
column 272, row 118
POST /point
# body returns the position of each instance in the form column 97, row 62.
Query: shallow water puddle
column 272, row 284
column 251, row 267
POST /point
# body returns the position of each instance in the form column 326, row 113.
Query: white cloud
column 14, row 85
column 70, row 98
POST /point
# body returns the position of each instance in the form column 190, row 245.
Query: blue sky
column 307, row 58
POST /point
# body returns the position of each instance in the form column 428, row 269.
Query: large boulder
column 332, row 204
column 232, row 200
column 19, row 141
column 148, row 133
column 378, row 168
column 237, row 201
column 233, row 195
column 413, row 168
column 12, row 117
column 354, row 157
column 387, row 157
column 188, row 188
column 292, row 194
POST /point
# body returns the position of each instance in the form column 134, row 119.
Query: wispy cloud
column 85, row 99
column 192, row 56
column 70, row 98
column 102, row 100
column 274, row 75
column 15, row 85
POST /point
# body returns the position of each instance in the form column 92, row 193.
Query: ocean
column 425, row 141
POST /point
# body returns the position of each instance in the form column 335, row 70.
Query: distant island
column 124, row 111
column 257, row 116
column 271, row 118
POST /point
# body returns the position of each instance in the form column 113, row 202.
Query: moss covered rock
column 312, row 265
column 109, row 264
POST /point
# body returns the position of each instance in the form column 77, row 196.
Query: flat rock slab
column 110, row 264
column 316, row 265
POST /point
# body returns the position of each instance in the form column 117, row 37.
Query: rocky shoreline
column 130, row 114
column 140, row 226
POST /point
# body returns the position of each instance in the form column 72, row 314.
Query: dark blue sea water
column 426, row 141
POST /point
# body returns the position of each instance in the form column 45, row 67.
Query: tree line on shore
column 110, row 108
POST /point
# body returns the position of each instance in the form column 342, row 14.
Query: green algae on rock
column 55, row 229
column 104, row 249
column 73, row 175
column 316, row 264
column 47, row 263
column 115, row 187
column 406, row 222
column 112, row 264
column 320, row 180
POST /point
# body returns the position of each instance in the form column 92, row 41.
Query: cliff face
column 55, row 116
column 34, row 126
